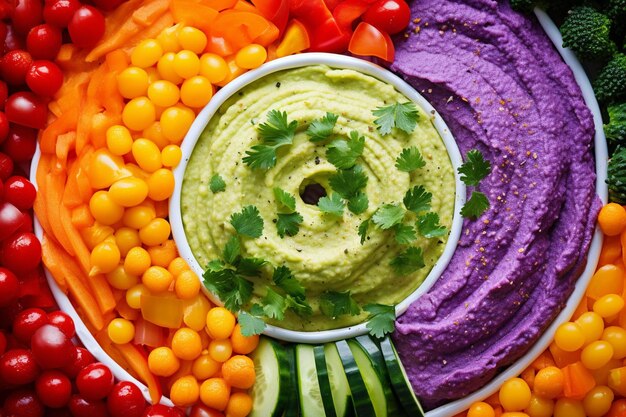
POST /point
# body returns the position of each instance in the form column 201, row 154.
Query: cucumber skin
column 401, row 386
column 323, row 380
column 378, row 363
column 360, row 397
column 283, row 374
column 292, row 408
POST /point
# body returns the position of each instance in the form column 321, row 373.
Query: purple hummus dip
column 502, row 88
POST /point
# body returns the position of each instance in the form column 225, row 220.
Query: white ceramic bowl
column 601, row 157
column 334, row 61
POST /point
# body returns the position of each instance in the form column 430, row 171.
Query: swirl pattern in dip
column 500, row 85
column 326, row 254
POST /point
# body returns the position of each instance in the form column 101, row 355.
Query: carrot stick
column 54, row 192
column 102, row 292
column 66, row 122
column 43, row 168
column 150, row 12
column 137, row 359
column 53, row 261
column 81, row 217
column 110, row 348
column 65, row 143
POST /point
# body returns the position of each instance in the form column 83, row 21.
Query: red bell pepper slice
column 348, row 11
column 369, row 41
column 324, row 32
column 276, row 11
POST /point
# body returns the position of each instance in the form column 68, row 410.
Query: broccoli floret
column 586, row 31
column 615, row 130
column 611, row 82
column 616, row 10
column 616, row 177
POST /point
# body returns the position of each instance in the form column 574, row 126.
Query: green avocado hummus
column 326, row 254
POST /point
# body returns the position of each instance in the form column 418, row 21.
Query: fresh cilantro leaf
column 320, row 129
column 334, row 304
column 215, row 265
column 410, row 159
column 381, row 320
column 257, row 310
column 217, row 184
column 405, row 235
column 344, row 153
column 232, row 250
column 248, row 222
column 274, row 304
column 287, row 282
column 408, row 261
column 233, row 289
column 348, row 182
column 428, row 225
column 388, row 215
column 403, row 116
column 284, row 199
column 276, row 132
column 475, row 168
column 298, row 306
column 250, row 267
column 475, row 206
column 260, row 156
column 365, row 224
column 417, row 199
column 332, row 204
column 250, row 325
column 288, row 224
column 359, row 203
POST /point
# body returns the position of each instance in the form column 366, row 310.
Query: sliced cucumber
column 293, row 403
column 324, row 382
column 360, row 397
column 309, row 388
column 271, row 390
column 371, row 378
column 399, row 380
column 378, row 363
column 338, row 382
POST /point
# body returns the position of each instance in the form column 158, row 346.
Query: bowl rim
column 333, row 61
column 593, row 255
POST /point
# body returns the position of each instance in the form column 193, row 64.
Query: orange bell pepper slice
column 243, row 28
column 369, row 41
column 296, row 39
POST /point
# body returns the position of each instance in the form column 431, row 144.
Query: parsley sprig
column 381, row 320
column 344, row 153
column 321, row 129
column 474, row 169
column 276, row 132
column 403, row 116
column 349, row 184
column 287, row 223
column 334, row 304
column 248, row 222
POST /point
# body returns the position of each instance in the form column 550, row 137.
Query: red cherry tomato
column 63, row 322
column 21, row 143
column 18, row 367
column 81, row 357
column 95, row 381
column 21, row 252
column 23, row 403
column 6, row 169
column 81, row 407
column 201, row 410
column 26, row 15
column 20, row 192
column 51, row 347
column 54, row 389
column 13, row 41
column 27, row 322
column 618, row 409
column 86, row 27
column 15, row 65
column 60, row 12
column 4, row 127
column 44, row 78
column 160, row 410
column 4, row 92
column 346, row 12
column 11, row 219
column 44, row 41
column 389, row 16
column 9, row 288
column 369, row 41
column 126, row 400
column 26, row 109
